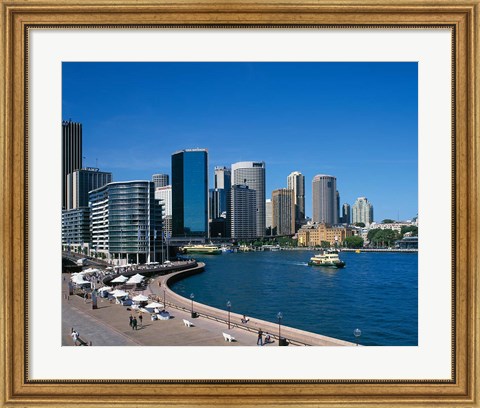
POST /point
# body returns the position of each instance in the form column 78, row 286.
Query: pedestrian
column 131, row 320
column 260, row 338
column 141, row 320
column 134, row 323
column 74, row 335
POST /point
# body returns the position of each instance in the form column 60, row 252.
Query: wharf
column 108, row 325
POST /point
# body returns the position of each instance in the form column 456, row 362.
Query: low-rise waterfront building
column 315, row 234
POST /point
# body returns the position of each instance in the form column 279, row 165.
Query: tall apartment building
column 296, row 182
column 346, row 214
column 362, row 211
column 80, row 182
column 243, row 219
column 268, row 215
column 160, row 180
column 283, row 211
column 324, row 199
column 252, row 174
column 164, row 195
column 125, row 220
column 190, row 193
column 71, row 153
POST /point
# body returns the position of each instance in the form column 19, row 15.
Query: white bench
column 187, row 323
column 228, row 337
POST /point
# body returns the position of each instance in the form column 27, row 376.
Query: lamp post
column 357, row 333
column 191, row 297
column 229, row 306
column 279, row 317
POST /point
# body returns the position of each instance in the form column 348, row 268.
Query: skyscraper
column 71, row 153
column 268, row 215
column 80, row 182
column 283, row 209
column 222, row 177
column 252, row 174
column 324, row 199
column 362, row 211
column 160, row 180
column 243, row 218
column 218, row 195
column 346, row 216
column 296, row 182
column 164, row 195
column 190, row 193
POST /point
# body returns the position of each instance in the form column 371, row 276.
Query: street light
column 279, row 317
column 191, row 297
column 357, row 333
column 229, row 306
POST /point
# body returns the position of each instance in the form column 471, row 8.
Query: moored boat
column 328, row 259
column 201, row 249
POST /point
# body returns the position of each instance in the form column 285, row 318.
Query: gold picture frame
column 16, row 389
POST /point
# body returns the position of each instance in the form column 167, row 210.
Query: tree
column 388, row 221
column 413, row 229
column 325, row 244
column 384, row 238
column 353, row 242
column 360, row 224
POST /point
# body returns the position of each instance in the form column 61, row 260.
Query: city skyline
column 355, row 121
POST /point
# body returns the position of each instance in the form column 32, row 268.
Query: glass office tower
column 190, row 193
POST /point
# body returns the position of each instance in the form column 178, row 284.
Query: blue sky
column 355, row 121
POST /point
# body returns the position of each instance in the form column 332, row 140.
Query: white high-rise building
column 268, row 214
column 362, row 211
column 252, row 174
column 324, row 199
column 296, row 182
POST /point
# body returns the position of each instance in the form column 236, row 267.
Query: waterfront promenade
column 108, row 325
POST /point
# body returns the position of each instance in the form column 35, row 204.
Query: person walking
column 134, row 323
column 141, row 320
column 131, row 321
column 74, row 335
column 260, row 338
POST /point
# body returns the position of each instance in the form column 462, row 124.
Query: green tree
column 325, row 244
column 384, row 238
column 353, row 242
column 388, row 221
column 360, row 224
column 413, row 229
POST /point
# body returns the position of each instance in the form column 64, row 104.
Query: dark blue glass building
column 190, row 193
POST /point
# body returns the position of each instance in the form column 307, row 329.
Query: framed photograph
column 364, row 101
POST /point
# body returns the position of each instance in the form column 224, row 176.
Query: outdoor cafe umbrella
column 105, row 288
column 153, row 305
column 136, row 278
column 140, row 298
column 118, row 293
column 119, row 279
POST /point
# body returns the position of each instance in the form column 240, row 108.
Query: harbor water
column 376, row 292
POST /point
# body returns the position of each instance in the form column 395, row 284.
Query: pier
column 108, row 325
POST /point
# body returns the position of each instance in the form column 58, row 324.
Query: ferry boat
column 328, row 259
column 201, row 249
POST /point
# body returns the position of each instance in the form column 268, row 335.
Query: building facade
column 283, row 211
column 222, row 178
column 125, row 221
column 76, row 227
column 314, row 234
column 160, row 180
column 296, row 182
column 268, row 216
column 71, row 153
column 164, row 195
column 346, row 214
column 243, row 219
column 362, row 211
column 324, row 199
column 190, row 193
column 252, row 174
column 80, row 182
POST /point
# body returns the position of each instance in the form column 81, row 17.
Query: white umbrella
column 120, row 279
column 136, row 278
column 153, row 305
column 90, row 270
column 140, row 298
column 105, row 288
column 78, row 279
column 119, row 293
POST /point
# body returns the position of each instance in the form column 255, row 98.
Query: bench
column 187, row 323
column 228, row 337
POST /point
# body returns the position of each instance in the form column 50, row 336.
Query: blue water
column 375, row 292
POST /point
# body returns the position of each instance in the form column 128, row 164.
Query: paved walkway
column 108, row 325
